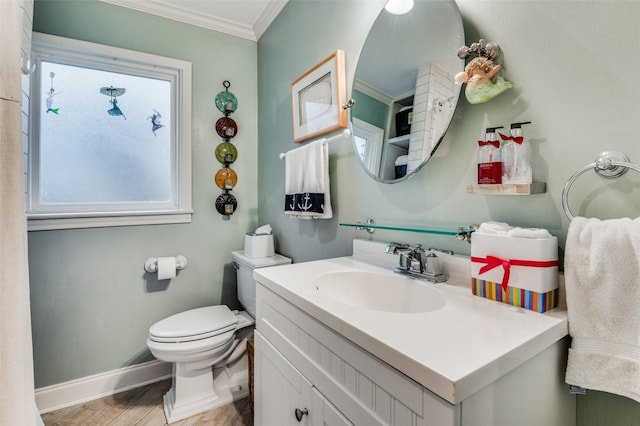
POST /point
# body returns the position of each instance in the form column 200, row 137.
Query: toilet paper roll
column 166, row 268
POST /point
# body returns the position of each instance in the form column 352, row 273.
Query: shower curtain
column 17, row 403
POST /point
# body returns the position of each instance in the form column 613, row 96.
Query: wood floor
column 143, row 406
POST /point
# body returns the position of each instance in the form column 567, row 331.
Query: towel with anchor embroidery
column 306, row 182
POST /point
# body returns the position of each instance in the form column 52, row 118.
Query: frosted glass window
column 110, row 137
column 90, row 156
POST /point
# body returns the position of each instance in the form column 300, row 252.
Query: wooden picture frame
column 318, row 99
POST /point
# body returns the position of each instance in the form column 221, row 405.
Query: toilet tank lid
column 259, row 262
column 195, row 322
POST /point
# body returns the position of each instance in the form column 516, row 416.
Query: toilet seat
column 195, row 324
column 195, row 351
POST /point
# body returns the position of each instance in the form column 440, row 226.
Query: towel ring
column 609, row 164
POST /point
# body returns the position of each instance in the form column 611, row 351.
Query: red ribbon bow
column 516, row 139
column 494, row 143
column 493, row 262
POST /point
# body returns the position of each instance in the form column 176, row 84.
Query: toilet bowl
column 207, row 347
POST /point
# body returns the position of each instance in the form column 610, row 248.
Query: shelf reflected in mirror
column 404, row 88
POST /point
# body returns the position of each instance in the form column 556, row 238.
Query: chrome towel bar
column 609, row 164
column 344, row 133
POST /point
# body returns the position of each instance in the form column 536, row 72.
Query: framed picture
column 318, row 97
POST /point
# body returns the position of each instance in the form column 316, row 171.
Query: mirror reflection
column 404, row 88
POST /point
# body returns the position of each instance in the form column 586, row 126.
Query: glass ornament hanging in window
column 155, row 121
column 50, row 95
column 114, row 92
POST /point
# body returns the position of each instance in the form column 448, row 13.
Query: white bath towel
column 602, row 278
column 307, row 192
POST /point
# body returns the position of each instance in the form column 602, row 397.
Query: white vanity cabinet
column 303, row 364
column 286, row 396
column 296, row 357
column 279, row 387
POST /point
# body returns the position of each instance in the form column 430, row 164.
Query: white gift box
column 532, row 265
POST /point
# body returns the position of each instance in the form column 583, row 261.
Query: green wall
column 92, row 301
column 575, row 74
column 370, row 110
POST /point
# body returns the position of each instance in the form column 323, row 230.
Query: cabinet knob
column 301, row 413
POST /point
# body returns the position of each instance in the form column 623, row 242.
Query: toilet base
column 194, row 392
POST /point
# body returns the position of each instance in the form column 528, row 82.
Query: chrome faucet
column 417, row 253
column 449, row 252
column 392, row 248
column 414, row 261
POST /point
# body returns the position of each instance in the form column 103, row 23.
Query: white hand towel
column 307, row 192
column 534, row 233
column 602, row 278
column 499, row 228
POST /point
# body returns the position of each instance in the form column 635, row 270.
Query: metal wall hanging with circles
column 226, row 152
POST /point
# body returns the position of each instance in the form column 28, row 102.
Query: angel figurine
column 480, row 73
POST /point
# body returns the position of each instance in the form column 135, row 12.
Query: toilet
column 208, row 346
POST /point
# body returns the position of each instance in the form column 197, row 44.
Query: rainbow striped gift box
column 528, row 299
column 518, row 271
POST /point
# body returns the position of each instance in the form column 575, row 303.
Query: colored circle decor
column 226, row 204
column 226, row 178
column 226, row 152
column 226, row 128
column 226, row 102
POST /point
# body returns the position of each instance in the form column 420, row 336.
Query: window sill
column 48, row 224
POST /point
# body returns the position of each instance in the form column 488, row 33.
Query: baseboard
column 88, row 388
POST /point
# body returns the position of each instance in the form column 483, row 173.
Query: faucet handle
column 432, row 264
column 417, row 248
column 392, row 248
column 418, row 254
column 450, row 252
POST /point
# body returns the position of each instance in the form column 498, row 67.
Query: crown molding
column 210, row 22
column 273, row 9
column 373, row 92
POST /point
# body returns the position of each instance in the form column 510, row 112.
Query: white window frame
column 80, row 53
column 373, row 149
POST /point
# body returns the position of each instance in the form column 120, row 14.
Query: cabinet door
column 279, row 388
column 324, row 413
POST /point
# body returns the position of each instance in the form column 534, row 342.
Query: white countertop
column 453, row 351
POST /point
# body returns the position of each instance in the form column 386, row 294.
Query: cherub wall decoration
column 480, row 73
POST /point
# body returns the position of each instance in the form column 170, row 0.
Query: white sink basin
column 379, row 292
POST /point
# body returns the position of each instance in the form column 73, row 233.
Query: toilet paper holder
column 151, row 265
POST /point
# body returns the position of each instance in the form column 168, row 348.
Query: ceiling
column 242, row 18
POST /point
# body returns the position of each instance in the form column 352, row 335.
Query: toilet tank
column 245, row 282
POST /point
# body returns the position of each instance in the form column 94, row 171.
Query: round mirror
column 404, row 88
